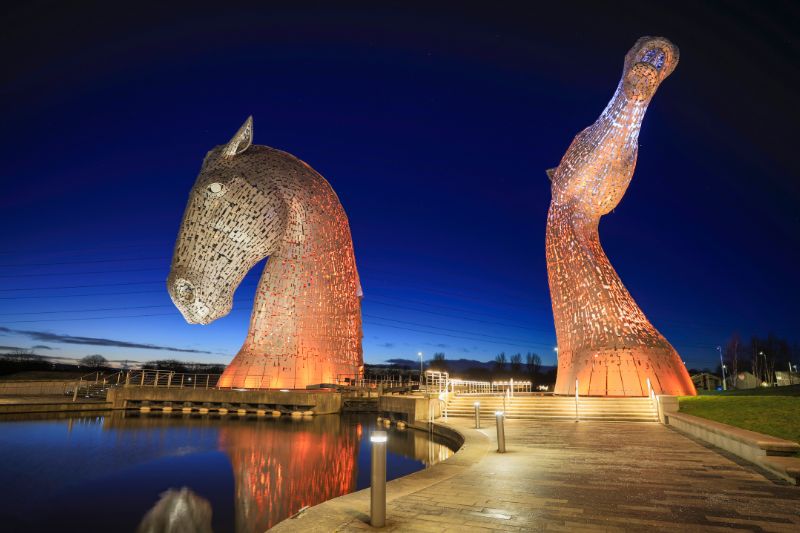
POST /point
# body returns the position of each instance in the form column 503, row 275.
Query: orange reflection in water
column 279, row 472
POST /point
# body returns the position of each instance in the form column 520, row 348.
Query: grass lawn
column 778, row 416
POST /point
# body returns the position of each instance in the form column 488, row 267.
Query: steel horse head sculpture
column 250, row 202
column 605, row 343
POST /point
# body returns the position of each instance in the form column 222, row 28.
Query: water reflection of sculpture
column 604, row 339
column 250, row 202
column 278, row 473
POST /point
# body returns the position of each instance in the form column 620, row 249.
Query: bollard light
column 377, row 506
column 477, row 415
column 501, row 432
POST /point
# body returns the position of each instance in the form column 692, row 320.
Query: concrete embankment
column 214, row 400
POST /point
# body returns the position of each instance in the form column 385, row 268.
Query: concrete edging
column 771, row 453
column 326, row 516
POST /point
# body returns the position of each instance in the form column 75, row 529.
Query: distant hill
column 454, row 365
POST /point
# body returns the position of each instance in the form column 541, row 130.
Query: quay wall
column 320, row 402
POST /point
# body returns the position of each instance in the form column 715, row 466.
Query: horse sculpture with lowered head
column 250, row 202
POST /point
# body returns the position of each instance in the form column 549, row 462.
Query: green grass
column 774, row 415
column 790, row 390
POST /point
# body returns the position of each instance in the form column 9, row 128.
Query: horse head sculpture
column 250, row 202
column 606, row 345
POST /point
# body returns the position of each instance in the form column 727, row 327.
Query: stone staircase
column 555, row 407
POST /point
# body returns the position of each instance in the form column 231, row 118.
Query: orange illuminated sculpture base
column 606, row 345
column 250, row 202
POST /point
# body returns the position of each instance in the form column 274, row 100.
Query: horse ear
column 241, row 141
column 550, row 172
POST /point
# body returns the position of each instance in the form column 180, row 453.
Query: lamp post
column 722, row 367
column 420, row 369
column 377, row 490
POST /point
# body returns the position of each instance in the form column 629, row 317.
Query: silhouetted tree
column 516, row 364
column 438, row 362
column 94, row 361
column 500, row 361
column 534, row 363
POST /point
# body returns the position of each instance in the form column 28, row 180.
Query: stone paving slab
column 567, row 476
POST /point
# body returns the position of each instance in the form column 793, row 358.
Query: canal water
column 105, row 473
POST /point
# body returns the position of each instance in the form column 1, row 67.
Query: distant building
column 706, row 381
column 746, row 380
column 785, row 378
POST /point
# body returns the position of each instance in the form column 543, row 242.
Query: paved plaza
column 567, row 476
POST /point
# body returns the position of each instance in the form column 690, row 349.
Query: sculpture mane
column 250, row 202
column 605, row 342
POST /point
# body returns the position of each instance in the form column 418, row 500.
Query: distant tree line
column 516, row 366
column 761, row 356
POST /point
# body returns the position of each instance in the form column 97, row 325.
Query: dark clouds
column 94, row 341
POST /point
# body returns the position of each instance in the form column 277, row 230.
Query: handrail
column 169, row 379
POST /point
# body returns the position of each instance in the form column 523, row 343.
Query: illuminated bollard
column 501, row 432
column 477, row 415
column 377, row 506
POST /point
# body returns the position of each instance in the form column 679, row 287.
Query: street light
column 420, row 368
column 722, row 365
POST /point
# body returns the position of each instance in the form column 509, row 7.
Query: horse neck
column 312, row 268
column 590, row 304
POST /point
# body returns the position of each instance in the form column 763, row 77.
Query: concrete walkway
column 567, row 476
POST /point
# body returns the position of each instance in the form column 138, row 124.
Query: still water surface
column 104, row 473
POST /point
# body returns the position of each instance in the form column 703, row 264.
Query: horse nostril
column 184, row 290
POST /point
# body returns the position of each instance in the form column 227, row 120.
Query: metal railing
column 169, row 379
column 374, row 382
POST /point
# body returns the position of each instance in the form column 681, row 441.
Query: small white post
column 576, row 400
column 501, row 433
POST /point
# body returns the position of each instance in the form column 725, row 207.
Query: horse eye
column 215, row 189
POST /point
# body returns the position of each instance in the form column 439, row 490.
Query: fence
column 169, row 379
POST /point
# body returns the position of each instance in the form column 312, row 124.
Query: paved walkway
column 563, row 476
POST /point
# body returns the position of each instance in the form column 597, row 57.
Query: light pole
column 420, row 369
column 766, row 374
column 556, row 350
column 722, row 367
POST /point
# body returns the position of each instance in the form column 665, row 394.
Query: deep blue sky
column 434, row 125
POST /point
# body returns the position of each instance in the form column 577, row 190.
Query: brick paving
column 566, row 476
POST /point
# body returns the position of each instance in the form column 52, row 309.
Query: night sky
column 434, row 125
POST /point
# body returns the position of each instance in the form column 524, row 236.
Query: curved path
column 567, row 476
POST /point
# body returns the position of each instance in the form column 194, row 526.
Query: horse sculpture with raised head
column 250, row 202
column 606, row 345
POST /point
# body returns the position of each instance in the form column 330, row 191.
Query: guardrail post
column 142, row 371
column 501, row 431
column 207, row 378
column 477, row 415
column 169, row 379
column 377, row 491
column 182, row 380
